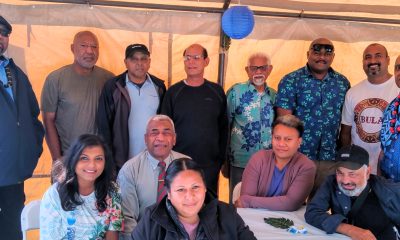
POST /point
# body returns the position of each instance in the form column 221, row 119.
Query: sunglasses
column 255, row 68
column 4, row 32
column 318, row 47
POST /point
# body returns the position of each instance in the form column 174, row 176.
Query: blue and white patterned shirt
column 318, row 103
column 250, row 115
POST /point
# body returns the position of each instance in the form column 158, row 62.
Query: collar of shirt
column 308, row 72
column 4, row 61
column 147, row 81
column 154, row 162
column 253, row 88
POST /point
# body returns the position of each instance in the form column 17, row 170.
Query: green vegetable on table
column 283, row 223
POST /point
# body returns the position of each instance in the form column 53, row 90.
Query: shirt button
column 345, row 207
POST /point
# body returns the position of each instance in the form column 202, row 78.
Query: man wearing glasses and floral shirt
column 250, row 114
column 315, row 93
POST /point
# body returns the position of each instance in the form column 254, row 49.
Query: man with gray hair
column 250, row 114
column 362, row 205
column 141, row 178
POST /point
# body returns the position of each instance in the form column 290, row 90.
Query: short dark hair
column 179, row 165
column 68, row 188
column 289, row 121
column 204, row 53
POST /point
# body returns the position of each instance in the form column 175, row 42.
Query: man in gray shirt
column 139, row 177
column 70, row 95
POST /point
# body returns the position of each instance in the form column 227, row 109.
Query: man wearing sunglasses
column 315, row 93
column 198, row 109
column 21, row 138
column 250, row 114
column 366, row 102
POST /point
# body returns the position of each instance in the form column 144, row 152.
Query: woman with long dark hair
column 190, row 212
column 84, row 203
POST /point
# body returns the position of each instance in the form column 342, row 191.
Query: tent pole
column 222, row 52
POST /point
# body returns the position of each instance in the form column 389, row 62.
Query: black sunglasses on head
column 317, row 47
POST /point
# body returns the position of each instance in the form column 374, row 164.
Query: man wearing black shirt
column 198, row 109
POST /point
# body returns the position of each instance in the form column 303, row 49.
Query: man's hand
column 354, row 232
column 238, row 203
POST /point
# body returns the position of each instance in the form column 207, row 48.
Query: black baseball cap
column 131, row 49
column 6, row 27
column 352, row 157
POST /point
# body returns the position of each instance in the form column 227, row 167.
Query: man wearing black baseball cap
column 127, row 102
column 362, row 205
column 21, row 138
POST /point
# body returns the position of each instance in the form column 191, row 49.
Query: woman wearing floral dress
column 85, row 202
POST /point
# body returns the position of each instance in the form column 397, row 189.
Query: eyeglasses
column 4, row 32
column 255, row 68
column 194, row 57
column 318, row 47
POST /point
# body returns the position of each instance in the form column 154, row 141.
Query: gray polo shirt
column 144, row 105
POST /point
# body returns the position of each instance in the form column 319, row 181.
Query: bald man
column 365, row 103
column 71, row 94
column 315, row 93
column 199, row 110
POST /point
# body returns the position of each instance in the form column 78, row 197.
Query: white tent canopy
column 43, row 32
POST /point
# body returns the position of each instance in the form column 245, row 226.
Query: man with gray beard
column 250, row 114
column 361, row 205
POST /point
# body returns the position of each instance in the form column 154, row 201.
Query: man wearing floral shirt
column 250, row 112
column 315, row 93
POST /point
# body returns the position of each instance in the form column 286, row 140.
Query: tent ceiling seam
column 221, row 10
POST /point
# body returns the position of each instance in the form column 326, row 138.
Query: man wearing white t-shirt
column 365, row 103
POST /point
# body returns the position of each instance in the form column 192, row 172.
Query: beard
column 259, row 79
column 352, row 193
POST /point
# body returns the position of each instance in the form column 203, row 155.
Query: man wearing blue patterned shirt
column 315, row 93
column 250, row 112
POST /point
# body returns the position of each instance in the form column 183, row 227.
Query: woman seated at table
column 189, row 211
column 280, row 178
column 84, row 204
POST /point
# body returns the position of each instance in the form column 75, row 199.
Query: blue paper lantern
column 238, row 22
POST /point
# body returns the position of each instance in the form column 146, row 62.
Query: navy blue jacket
column 21, row 133
column 330, row 197
column 219, row 221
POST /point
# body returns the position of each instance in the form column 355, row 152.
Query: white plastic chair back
column 30, row 217
column 236, row 192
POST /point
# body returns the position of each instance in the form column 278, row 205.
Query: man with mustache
column 250, row 114
column 139, row 178
column 390, row 164
column 127, row 102
column 315, row 94
column 365, row 103
column 70, row 95
column 362, row 206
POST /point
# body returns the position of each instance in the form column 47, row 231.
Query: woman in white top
column 85, row 203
